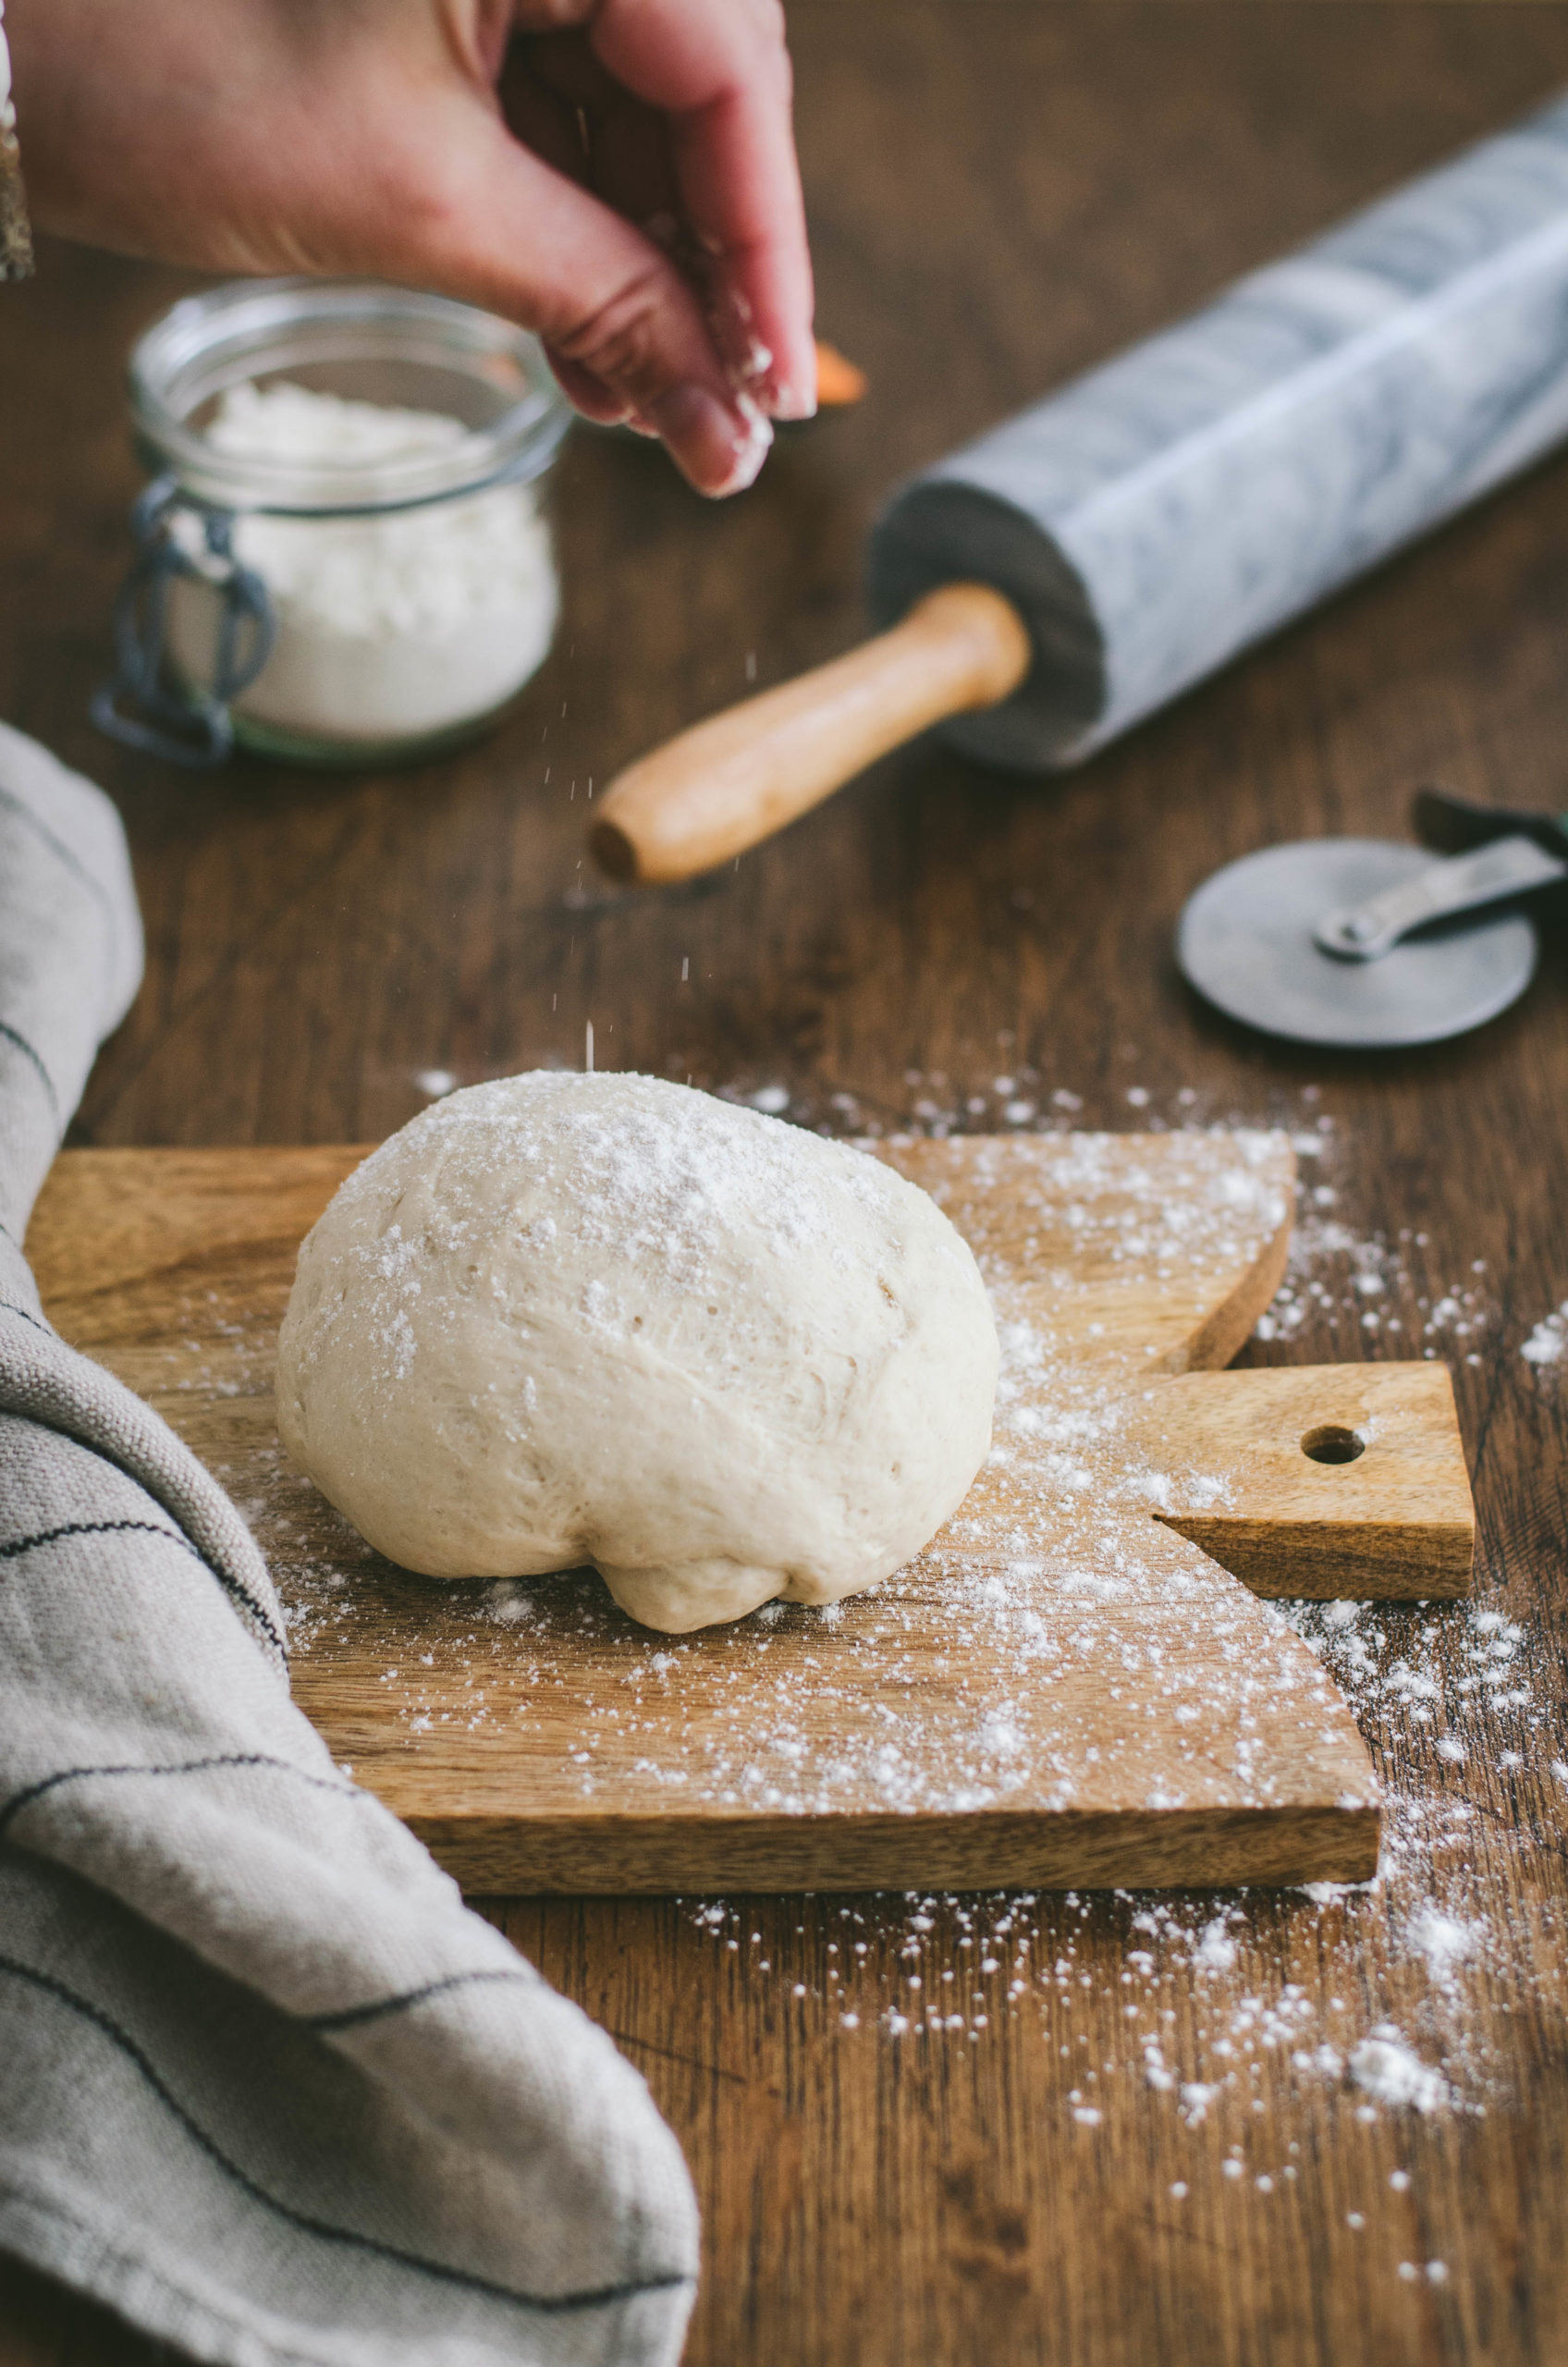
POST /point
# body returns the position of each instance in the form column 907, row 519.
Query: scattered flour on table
column 1389, row 2071
column 1449, row 1697
column 1245, row 2017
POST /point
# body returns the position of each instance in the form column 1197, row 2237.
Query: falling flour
column 392, row 627
column 1548, row 1344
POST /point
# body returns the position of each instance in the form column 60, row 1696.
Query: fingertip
column 790, row 399
column 751, row 449
column 718, row 448
column 792, row 376
column 764, row 331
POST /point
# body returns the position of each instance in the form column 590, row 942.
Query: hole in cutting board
column 1332, row 1442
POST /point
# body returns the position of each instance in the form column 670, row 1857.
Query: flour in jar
column 396, row 626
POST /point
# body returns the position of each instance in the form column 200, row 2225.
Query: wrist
column 15, row 241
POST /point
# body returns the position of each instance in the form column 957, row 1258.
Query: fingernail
column 719, row 447
column 793, row 402
column 751, row 448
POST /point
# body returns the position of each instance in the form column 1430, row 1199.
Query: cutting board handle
column 729, row 782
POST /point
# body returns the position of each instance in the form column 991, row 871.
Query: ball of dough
column 565, row 1319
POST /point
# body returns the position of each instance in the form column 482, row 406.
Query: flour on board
column 1250, row 2060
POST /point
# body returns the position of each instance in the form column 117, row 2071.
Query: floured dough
column 566, row 1319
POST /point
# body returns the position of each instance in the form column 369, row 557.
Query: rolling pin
column 1050, row 584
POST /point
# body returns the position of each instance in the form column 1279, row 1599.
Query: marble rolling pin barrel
column 1050, row 584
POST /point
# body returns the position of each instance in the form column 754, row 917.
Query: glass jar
column 341, row 557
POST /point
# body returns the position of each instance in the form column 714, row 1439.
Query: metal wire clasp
column 186, row 726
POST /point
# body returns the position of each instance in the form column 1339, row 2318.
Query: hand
column 618, row 174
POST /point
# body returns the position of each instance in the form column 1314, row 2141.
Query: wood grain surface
column 1056, row 1691
column 1000, row 194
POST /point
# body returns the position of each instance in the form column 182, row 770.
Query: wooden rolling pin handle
column 736, row 778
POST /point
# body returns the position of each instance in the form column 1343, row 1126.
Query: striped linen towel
column 266, row 2086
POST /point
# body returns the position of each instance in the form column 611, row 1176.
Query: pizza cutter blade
column 1255, row 939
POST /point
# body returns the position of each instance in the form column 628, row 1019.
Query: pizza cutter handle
column 1460, row 883
column 1452, row 825
column 734, row 779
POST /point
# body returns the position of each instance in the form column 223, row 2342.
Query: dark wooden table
column 1000, row 193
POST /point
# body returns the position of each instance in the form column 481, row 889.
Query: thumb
column 624, row 329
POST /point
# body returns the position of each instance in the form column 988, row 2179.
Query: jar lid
column 366, row 343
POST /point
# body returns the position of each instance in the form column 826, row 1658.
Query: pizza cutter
column 1366, row 942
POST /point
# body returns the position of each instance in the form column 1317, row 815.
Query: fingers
column 626, row 332
column 736, row 165
column 720, row 72
column 589, row 395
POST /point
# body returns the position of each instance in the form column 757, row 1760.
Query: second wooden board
column 1065, row 1689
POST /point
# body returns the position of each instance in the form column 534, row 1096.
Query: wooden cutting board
column 1066, row 1689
